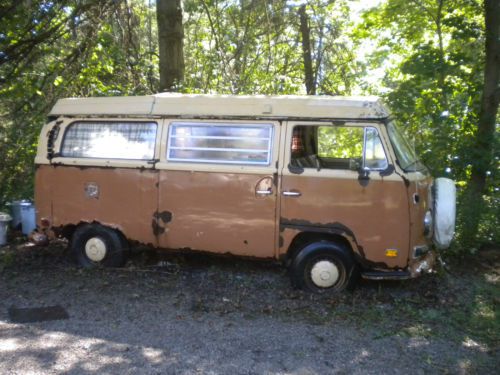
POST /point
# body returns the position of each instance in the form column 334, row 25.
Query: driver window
column 330, row 147
column 337, row 147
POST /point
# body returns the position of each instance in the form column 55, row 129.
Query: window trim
column 270, row 141
column 68, row 126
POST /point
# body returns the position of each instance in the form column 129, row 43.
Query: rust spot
column 245, row 242
column 91, row 190
column 368, row 264
column 157, row 230
column 165, row 216
column 333, row 228
column 275, row 179
column 337, row 228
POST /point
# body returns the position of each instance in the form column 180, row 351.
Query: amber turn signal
column 391, row 253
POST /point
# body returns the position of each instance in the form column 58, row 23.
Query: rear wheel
column 323, row 267
column 95, row 245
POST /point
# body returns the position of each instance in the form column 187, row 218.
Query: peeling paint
column 157, row 229
column 372, row 218
column 127, row 197
column 164, row 216
column 336, row 228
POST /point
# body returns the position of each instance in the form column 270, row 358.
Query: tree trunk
column 483, row 151
column 305, row 31
column 170, row 40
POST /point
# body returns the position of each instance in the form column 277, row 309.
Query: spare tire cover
column 444, row 192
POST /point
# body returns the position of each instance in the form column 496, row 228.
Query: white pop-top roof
column 197, row 105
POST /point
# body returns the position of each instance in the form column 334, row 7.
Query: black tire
column 341, row 269
column 110, row 244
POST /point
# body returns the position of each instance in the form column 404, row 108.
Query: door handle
column 292, row 193
column 264, row 192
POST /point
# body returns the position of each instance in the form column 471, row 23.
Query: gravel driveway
column 199, row 314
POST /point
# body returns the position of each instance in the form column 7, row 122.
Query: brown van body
column 257, row 211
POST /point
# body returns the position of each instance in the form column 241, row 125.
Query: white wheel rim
column 324, row 274
column 95, row 249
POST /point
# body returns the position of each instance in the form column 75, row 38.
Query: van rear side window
column 113, row 140
column 220, row 143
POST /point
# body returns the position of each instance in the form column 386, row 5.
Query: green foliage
column 50, row 50
column 433, row 54
column 338, row 142
column 70, row 48
column 253, row 47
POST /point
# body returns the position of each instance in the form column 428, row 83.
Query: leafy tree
column 254, row 47
column 432, row 52
column 58, row 49
column 484, row 142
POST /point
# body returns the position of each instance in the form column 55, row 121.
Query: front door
column 324, row 188
column 217, row 187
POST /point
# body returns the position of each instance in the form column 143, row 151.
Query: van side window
column 336, row 147
column 113, row 140
column 220, row 143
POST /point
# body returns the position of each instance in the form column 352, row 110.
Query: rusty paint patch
column 333, row 228
column 423, row 264
column 91, row 190
column 368, row 264
column 336, row 228
column 165, row 216
column 157, row 229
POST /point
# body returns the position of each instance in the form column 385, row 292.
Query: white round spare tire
column 444, row 207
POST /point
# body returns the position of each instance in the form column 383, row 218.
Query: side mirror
column 364, row 176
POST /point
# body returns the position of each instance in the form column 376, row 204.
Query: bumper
column 423, row 264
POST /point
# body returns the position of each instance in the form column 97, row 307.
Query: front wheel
column 95, row 245
column 323, row 267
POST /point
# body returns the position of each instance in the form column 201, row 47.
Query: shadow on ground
column 197, row 313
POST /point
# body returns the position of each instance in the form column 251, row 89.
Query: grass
column 465, row 310
column 7, row 258
column 462, row 306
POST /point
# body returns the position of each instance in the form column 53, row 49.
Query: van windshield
column 405, row 153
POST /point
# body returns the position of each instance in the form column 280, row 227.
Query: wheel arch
column 305, row 238
column 334, row 250
column 68, row 230
column 115, row 246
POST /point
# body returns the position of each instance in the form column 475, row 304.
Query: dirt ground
column 186, row 314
